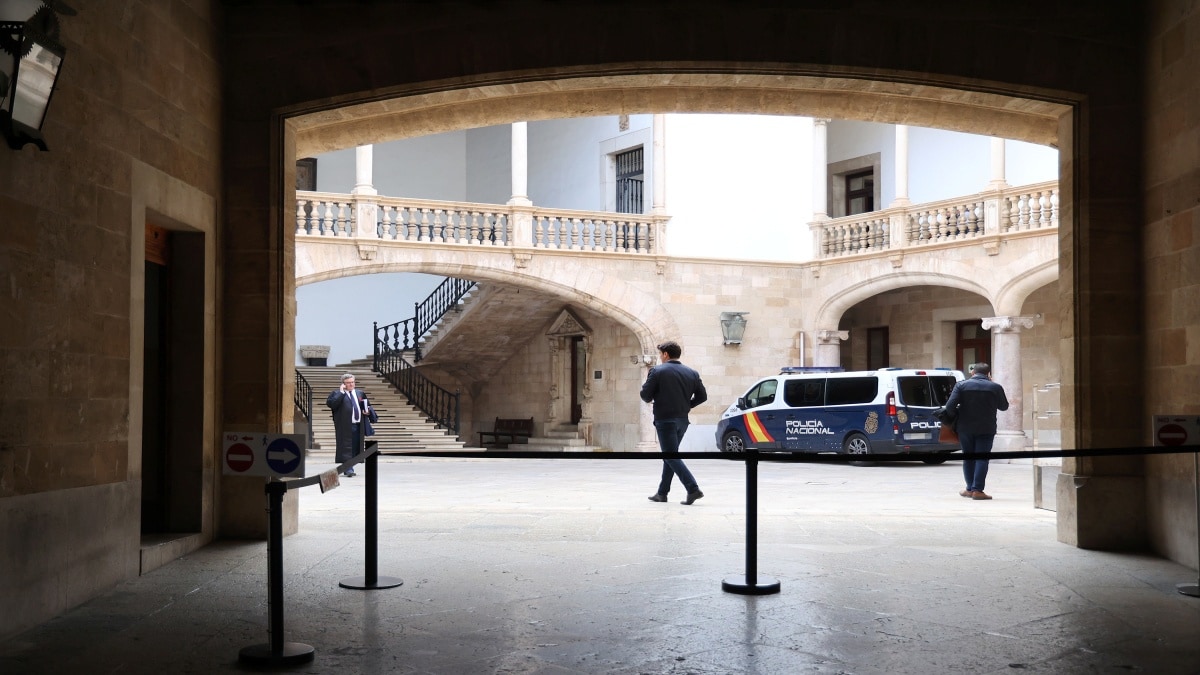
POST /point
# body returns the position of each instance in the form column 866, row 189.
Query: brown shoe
column 965, row 493
column 980, row 494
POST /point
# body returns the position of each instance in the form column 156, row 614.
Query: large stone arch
column 1010, row 298
column 843, row 298
column 451, row 105
column 602, row 293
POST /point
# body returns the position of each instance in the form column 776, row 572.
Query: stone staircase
column 563, row 438
column 401, row 426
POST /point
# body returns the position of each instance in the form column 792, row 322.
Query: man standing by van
column 975, row 402
column 674, row 389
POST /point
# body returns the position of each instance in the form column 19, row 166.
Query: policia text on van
column 884, row 411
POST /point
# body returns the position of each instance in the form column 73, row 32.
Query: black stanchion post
column 372, row 580
column 276, row 652
column 750, row 584
column 1194, row 589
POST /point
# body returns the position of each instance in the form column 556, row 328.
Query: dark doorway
column 972, row 344
column 173, row 383
column 877, row 348
column 578, row 377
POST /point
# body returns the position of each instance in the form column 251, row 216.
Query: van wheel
column 857, row 444
column 940, row 459
column 734, row 442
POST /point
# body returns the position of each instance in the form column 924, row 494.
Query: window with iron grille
column 630, row 177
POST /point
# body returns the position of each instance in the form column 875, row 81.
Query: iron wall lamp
column 29, row 68
column 733, row 327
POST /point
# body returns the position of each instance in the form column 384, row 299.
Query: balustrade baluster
column 1053, row 208
column 300, row 216
column 609, row 235
column 423, row 226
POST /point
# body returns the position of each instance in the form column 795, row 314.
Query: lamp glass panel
column 35, row 82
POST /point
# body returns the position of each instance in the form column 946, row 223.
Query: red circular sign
column 239, row 457
column 1172, row 434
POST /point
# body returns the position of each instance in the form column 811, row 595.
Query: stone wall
column 1172, row 248
column 134, row 135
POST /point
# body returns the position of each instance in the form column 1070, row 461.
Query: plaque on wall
column 306, row 174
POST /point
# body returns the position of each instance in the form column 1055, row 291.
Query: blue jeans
column 670, row 433
column 975, row 470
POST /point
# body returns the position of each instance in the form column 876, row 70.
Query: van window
column 923, row 391
column 762, row 393
column 804, row 393
column 849, row 390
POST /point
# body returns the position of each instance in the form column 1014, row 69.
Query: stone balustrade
column 371, row 217
column 979, row 217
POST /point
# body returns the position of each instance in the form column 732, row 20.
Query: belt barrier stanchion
column 372, row 580
column 750, row 584
column 276, row 652
column 1194, row 589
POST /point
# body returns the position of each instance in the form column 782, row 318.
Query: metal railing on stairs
column 304, row 402
column 440, row 405
column 406, row 335
column 393, row 340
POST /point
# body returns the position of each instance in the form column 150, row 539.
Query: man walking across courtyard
column 674, row 390
column 974, row 402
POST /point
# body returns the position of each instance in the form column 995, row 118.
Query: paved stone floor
column 563, row 566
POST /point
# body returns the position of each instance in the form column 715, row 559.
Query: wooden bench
column 508, row 430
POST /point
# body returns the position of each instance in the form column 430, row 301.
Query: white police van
column 884, row 411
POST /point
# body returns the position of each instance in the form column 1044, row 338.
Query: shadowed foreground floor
column 545, row 566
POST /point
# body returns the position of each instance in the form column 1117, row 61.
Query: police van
column 883, row 411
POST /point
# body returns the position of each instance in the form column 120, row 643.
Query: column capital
column 832, row 337
column 1007, row 324
column 821, row 121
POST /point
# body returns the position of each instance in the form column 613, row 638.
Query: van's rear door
column 918, row 396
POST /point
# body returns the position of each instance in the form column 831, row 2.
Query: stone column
column 366, row 208
column 646, row 430
column 659, row 206
column 658, row 187
column 901, row 166
column 998, row 181
column 828, row 351
column 820, row 168
column 1006, row 371
column 520, row 164
column 364, row 169
column 521, row 214
column 554, row 345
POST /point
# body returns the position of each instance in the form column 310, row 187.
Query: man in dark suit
column 674, row 389
column 348, row 412
column 974, row 402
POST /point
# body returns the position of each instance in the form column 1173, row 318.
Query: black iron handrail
column 304, row 402
column 443, row 298
column 406, row 335
column 440, row 405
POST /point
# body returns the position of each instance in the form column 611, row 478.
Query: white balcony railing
column 1030, row 207
column 370, row 217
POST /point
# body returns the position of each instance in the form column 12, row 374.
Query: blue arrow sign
column 284, row 456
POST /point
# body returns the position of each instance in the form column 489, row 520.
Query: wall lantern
column 29, row 65
column 733, row 327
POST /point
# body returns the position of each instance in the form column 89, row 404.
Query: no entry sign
column 239, row 457
column 1176, row 430
column 259, row 454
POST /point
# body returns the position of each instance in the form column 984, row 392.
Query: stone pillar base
column 1104, row 513
column 1009, row 441
column 646, row 446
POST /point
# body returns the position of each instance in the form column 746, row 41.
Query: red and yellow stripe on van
column 758, row 432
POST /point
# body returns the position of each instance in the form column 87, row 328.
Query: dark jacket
column 343, row 417
column 974, row 402
column 675, row 389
